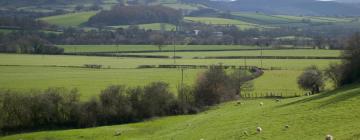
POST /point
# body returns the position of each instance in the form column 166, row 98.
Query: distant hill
column 291, row 7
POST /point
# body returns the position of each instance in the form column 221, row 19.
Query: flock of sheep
column 258, row 129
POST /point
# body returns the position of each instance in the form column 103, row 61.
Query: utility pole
column 173, row 42
column 261, row 55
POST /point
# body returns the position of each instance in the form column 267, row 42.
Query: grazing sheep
column 258, row 129
column 261, row 103
column 117, row 133
column 287, row 126
column 329, row 137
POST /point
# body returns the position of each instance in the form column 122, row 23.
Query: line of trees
column 347, row 72
column 56, row 108
column 28, row 44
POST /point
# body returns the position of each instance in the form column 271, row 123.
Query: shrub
column 311, row 79
column 213, row 87
column 157, row 98
column 115, row 105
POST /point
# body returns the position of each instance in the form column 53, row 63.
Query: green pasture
column 222, row 21
column 122, row 48
column 297, row 52
column 23, row 72
column 90, row 82
column 114, row 62
column 151, row 26
column 311, row 118
column 315, row 19
column 261, row 18
column 71, row 19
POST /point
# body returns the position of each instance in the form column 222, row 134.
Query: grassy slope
column 151, row 26
column 72, row 19
column 222, row 21
column 310, row 118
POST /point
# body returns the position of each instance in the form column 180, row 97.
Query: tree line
column 56, row 108
column 30, row 44
column 345, row 73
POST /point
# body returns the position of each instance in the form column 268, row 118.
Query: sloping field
column 151, row 26
column 72, row 19
column 310, row 118
column 222, row 21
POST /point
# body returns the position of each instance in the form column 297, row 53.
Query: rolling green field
column 151, row 26
column 120, row 48
column 72, row 19
column 23, row 72
column 222, row 21
column 304, row 52
column 263, row 18
column 310, row 118
column 314, row 19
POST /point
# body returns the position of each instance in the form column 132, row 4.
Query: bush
column 213, row 87
column 311, row 79
column 157, row 98
column 115, row 105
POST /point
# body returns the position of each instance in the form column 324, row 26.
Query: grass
column 261, row 18
column 310, row 118
column 42, row 71
column 151, row 26
column 89, row 81
column 222, row 21
column 314, row 19
column 72, row 19
column 300, row 52
column 279, row 83
column 113, row 62
column 122, row 48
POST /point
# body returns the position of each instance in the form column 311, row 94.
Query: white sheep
column 329, row 137
column 287, row 126
column 117, row 133
column 258, row 129
column 261, row 103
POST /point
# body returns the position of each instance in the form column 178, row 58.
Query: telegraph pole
column 173, row 42
column 261, row 56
